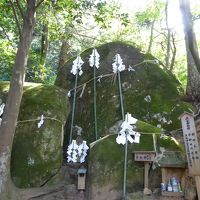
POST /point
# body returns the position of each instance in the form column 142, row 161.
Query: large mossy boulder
column 106, row 163
column 150, row 93
column 37, row 153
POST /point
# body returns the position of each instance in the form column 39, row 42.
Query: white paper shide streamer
column 76, row 67
column 77, row 152
column 2, row 106
column 41, row 121
column 127, row 131
column 118, row 64
column 94, row 59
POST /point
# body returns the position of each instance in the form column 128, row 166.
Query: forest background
column 64, row 28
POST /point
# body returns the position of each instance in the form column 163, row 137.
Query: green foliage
column 85, row 24
column 66, row 20
column 150, row 14
column 63, row 19
column 8, row 40
column 6, row 59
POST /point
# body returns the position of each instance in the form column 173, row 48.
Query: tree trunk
column 44, row 44
column 11, row 111
column 151, row 37
column 188, row 29
column 193, row 78
column 64, row 54
column 173, row 49
column 193, row 61
column 168, row 37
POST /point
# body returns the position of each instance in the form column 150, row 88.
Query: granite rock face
column 106, row 163
column 37, row 152
column 150, row 93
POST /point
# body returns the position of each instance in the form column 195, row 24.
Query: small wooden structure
column 81, row 178
column 172, row 165
column 146, row 157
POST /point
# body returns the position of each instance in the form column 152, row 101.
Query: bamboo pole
column 126, row 144
column 95, row 101
column 73, row 108
column 125, row 168
column 146, row 174
column 120, row 94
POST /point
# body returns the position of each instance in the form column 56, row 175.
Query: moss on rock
column 169, row 144
column 37, row 152
column 150, row 93
column 106, row 162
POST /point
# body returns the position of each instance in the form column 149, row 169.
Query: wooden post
column 146, row 157
column 192, row 147
column 197, row 179
column 191, row 143
column 164, row 175
column 146, row 174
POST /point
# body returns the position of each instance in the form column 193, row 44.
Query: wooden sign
column 144, row 156
column 191, row 143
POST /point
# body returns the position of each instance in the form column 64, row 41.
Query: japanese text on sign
column 144, row 156
column 191, row 143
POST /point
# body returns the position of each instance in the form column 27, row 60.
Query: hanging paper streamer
column 76, row 70
column 2, row 108
column 41, row 121
column 76, row 67
column 94, row 59
column 129, row 119
column 127, row 131
column 69, row 94
column 118, row 64
column 130, row 69
column 117, row 68
column 77, row 152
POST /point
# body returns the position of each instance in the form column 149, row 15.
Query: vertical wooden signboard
column 191, row 146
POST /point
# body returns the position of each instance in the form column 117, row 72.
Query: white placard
column 191, row 143
column 144, row 156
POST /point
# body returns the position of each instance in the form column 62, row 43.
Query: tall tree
column 64, row 53
column 168, row 36
column 170, row 41
column 13, row 101
column 44, row 44
column 193, row 60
